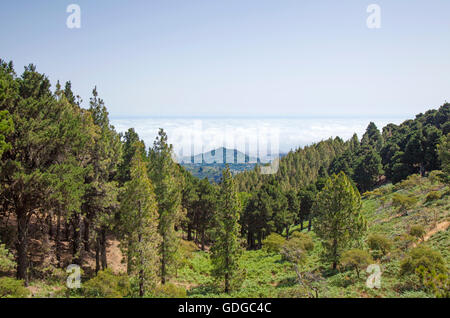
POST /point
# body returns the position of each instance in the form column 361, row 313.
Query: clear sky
column 239, row 57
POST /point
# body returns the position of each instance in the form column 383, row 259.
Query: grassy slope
column 269, row 276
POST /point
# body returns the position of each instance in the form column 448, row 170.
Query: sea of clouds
column 260, row 137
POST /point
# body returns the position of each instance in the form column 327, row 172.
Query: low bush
column 380, row 244
column 107, row 285
column 169, row 290
column 404, row 241
column 6, row 259
column 12, row 288
column 273, row 243
column 356, row 259
column 417, row 231
column 423, row 256
column 403, row 202
column 433, row 196
column 304, row 240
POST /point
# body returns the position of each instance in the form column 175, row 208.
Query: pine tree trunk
column 76, row 242
column 22, row 247
column 203, row 240
column 259, row 240
column 309, row 222
column 334, row 249
column 58, row 239
column 227, row 283
column 103, row 249
column 49, row 224
column 422, row 170
column 87, row 225
column 97, row 254
column 67, row 231
column 163, row 266
column 141, row 270
column 129, row 258
column 252, row 240
column 189, row 232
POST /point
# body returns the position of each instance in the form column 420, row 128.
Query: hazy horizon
column 213, row 133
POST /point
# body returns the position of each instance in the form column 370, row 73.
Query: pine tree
column 338, row 217
column 47, row 131
column 306, row 199
column 101, row 197
column 293, row 209
column 368, row 169
column 188, row 202
column 139, row 222
column 168, row 182
column 129, row 143
column 372, row 137
column 227, row 249
column 6, row 127
column 204, row 207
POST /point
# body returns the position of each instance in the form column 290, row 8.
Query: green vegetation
column 356, row 259
column 417, row 231
column 12, row 288
column 425, row 257
column 74, row 191
column 139, row 225
column 227, row 249
column 107, row 285
column 338, row 217
column 379, row 243
column 273, row 243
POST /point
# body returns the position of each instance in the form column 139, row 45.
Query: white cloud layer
column 256, row 137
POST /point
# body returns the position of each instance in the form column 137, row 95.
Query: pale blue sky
column 239, row 57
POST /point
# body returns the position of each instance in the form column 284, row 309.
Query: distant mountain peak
column 219, row 155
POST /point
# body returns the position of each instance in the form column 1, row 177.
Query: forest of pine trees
column 69, row 180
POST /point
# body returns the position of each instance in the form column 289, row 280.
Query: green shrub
column 293, row 252
column 169, row 290
column 273, row 243
column 417, row 231
column 6, row 259
column 53, row 274
column 295, row 249
column 107, row 285
column 438, row 284
column 184, row 255
column 404, row 241
column 356, row 259
column 433, row 196
column 410, row 182
column 434, row 176
column 431, row 260
column 304, row 240
column 379, row 243
column 12, row 288
column 403, row 202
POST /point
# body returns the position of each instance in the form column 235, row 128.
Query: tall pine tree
column 168, row 182
column 227, row 249
column 139, row 223
column 338, row 217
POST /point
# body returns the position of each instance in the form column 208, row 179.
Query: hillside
column 219, row 155
column 269, row 276
column 210, row 164
column 77, row 195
